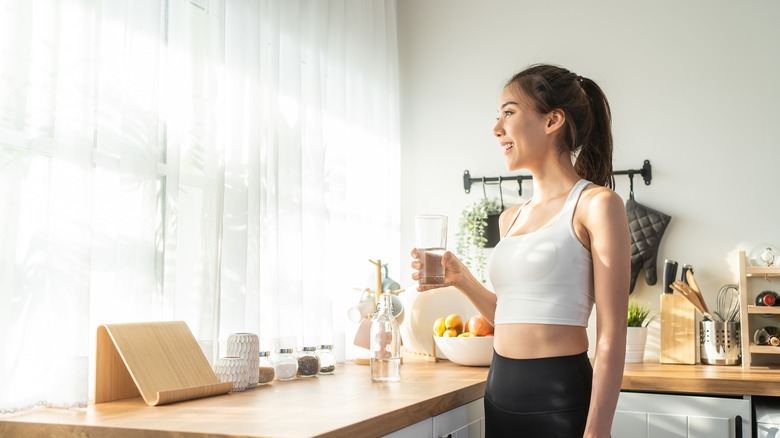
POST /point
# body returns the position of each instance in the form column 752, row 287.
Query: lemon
column 438, row 327
column 455, row 322
column 450, row 333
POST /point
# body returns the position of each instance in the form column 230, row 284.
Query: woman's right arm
column 456, row 274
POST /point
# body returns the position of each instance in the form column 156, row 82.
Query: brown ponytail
column 588, row 129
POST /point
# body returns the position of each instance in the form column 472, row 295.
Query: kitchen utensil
column 670, row 270
column 728, row 303
column 686, row 291
column 720, row 343
column 678, row 341
column 686, row 268
column 695, row 288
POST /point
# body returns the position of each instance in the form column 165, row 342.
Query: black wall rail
column 646, row 171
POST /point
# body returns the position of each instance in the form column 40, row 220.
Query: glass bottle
column 767, row 298
column 385, row 336
column 327, row 359
column 308, row 362
column 285, row 364
column 266, row 369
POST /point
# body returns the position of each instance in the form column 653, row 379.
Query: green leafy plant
column 471, row 238
column 638, row 314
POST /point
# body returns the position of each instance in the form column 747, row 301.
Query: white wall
column 694, row 88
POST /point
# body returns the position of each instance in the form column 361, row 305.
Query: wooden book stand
column 160, row 361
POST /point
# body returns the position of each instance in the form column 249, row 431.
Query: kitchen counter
column 347, row 403
column 701, row 379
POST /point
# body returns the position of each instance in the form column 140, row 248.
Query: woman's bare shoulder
column 596, row 196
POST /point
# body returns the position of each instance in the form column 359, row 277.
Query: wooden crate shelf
column 754, row 317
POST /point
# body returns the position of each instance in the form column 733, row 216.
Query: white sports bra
column 546, row 276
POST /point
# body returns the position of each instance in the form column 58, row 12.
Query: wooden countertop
column 701, row 379
column 347, row 403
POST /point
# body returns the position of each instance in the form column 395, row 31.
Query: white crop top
column 546, row 276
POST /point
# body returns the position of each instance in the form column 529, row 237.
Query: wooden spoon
column 686, row 291
column 695, row 287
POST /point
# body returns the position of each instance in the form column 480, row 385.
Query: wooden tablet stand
column 160, row 361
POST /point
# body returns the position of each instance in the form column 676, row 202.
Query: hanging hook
column 484, row 183
column 631, row 185
column 501, row 192
column 519, row 185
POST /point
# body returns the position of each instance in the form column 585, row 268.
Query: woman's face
column 520, row 131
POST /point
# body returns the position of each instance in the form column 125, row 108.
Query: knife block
column 679, row 340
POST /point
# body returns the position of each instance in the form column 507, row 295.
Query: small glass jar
column 327, row 359
column 266, row 372
column 285, row 364
column 308, row 362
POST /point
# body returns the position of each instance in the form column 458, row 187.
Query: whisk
column 728, row 303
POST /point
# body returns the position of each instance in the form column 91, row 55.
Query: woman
column 562, row 251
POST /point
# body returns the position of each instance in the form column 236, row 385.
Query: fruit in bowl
column 478, row 326
column 469, row 343
column 467, row 350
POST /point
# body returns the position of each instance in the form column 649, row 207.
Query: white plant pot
column 636, row 339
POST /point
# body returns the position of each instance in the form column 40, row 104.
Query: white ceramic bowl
column 422, row 309
column 474, row 351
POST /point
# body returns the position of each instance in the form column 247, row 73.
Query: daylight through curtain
column 228, row 163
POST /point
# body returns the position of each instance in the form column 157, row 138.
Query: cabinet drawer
column 646, row 415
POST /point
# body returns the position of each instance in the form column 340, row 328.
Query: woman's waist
column 528, row 341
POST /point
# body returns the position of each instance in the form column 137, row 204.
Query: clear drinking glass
column 430, row 231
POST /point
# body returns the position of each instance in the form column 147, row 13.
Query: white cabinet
column 423, row 429
column 644, row 415
column 467, row 421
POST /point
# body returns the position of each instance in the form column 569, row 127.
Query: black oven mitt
column 647, row 226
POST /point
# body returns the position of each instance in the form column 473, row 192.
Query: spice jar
column 327, row 359
column 266, row 369
column 308, row 362
column 285, row 364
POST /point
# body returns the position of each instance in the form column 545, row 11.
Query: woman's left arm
column 610, row 244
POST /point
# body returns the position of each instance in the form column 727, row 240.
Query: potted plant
column 478, row 229
column 636, row 336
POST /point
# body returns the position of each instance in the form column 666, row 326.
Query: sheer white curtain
column 228, row 163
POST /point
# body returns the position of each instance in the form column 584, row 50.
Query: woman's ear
column 555, row 120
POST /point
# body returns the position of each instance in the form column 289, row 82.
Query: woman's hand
column 454, row 271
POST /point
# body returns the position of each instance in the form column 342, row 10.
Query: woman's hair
column 587, row 131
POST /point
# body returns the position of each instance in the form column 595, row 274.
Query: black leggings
column 545, row 398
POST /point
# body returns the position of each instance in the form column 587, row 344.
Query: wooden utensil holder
column 679, row 337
